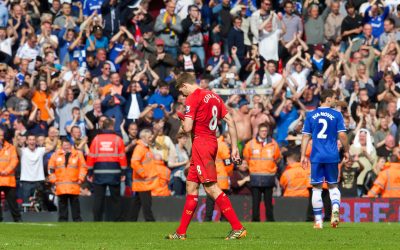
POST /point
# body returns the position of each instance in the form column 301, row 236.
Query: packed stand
column 71, row 69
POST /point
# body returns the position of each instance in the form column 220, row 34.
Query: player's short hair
column 327, row 93
column 145, row 132
column 184, row 78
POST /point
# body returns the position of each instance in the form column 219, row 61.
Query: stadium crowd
column 72, row 69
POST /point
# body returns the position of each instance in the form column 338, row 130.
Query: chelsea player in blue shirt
column 324, row 126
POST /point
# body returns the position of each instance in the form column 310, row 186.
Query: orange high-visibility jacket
column 262, row 157
column 308, row 154
column 8, row 163
column 295, row 180
column 308, row 149
column 144, row 176
column 387, row 183
column 224, row 164
column 164, row 175
column 66, row 176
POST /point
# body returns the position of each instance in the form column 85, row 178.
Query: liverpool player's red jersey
column 205, row 108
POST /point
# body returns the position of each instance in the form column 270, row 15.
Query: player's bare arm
column 344, row 140
column 187, row 125
column 233, row 134
column 304, row 142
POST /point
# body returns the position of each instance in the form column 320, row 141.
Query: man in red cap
column 161, row 62
column 318, row 59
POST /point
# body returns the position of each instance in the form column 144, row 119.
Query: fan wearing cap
column 318, row 60
column 161, row 62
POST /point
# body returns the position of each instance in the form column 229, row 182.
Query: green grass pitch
column 206, row 236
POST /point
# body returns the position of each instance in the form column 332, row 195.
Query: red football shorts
column 202, row 165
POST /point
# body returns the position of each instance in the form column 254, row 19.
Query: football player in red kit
column 203, row 111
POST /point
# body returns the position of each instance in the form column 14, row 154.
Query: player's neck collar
column 322, row 107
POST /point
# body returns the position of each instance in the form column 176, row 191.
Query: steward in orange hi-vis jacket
column 67, row 169
column 8, row 163
column 295, row 179
column 164, row 175
column 224, row 164
column 387, row 184
column 262, row 154
column 107, row 163
column 144, row 176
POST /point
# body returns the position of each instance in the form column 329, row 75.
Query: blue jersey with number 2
column 324, row 124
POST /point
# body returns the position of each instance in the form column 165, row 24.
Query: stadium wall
column 286, row 209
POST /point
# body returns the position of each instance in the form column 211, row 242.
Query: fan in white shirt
column 299, row 68
column 7, row 39
column 30, row 50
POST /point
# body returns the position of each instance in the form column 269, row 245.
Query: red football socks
column 188, row 212
column 226, row 208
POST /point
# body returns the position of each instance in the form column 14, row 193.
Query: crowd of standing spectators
column 67, row 66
